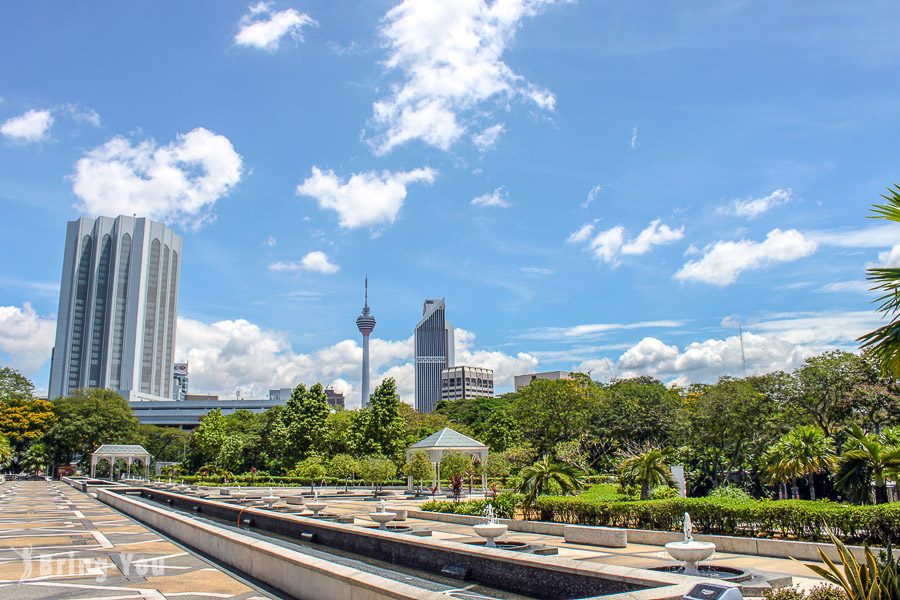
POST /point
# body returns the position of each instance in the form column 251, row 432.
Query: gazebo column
column 128, row 467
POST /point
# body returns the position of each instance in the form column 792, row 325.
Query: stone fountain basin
column 382, row 517
column 316, row 506
column 490, row 530
column 270, row 500
column 690, row 552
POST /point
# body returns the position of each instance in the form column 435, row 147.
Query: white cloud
column 879, row 236
column 32, row 126
column 176, row 183
column 264, row 28
column 238, row 355
column 82, row 115
column 591, row 330
column 270, row 242
column 889, row 258
column 450, row 59
column 655, row 234
column 366, row 199
column 851, row 285
column 581, row 234
column 724, row 261
column 592, row 195
column 537, row 270
column 753, row 207
column 610, row 245
column 26, row 337
column 633, row 143
column 498, row 198
column 316, row 261
column 487, row 139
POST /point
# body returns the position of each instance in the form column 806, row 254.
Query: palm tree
column 777, row 470
column 6, row 452
column 884, row 342
column 807, row 452
column 648, row 469
column 868, row 459
column 537, row 478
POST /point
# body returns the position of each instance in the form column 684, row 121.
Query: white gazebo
column 113, row 452
column 448, row 440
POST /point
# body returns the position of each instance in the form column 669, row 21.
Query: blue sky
column 594, row 186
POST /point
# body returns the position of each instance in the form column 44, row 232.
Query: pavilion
column 111, row 453
column 448, row 440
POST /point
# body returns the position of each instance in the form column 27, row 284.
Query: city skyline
column 614, row 189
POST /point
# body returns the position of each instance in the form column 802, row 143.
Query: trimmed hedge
column 505, row 506
column 795, row 519
column 272, row 481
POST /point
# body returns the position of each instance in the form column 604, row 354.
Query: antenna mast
column 743, row 356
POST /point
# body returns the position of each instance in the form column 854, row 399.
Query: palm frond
column 891, row 210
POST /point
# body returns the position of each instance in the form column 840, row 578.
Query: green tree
column 25, row 420
column 553, row 411
column 455, row 464
column 343, row 466
column 305, row 415
column 538, row 478
column 884, row 342
column 638, row 411
column 14, row 386
column 827, row 385
column 867, row 460
column 419, row 467
column 377, row 470
column 338, row 426
column 647, row 469
column 379, row 428
column 35, row 458
column 474, row 413
column 808, row 452
column 501, row 431
column 209, row 436
column 6, row 452
column 231, row 453
column 498, row 466
column 86, row 419
column 164, row 443
column 312, row 467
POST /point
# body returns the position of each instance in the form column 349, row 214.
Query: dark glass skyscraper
column 434, row 353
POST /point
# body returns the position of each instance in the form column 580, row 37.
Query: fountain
column 491, row 528
column 315, row 506
column 382, row 516
column 689, row 551
column 238, row 495
column 271, row 499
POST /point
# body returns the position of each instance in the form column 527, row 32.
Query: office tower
column 521, row 381
column 180, row 381
column 118, row 302
column 434, row 353
column 458, row 383
column 366, row 324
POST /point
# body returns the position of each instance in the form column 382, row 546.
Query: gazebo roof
column 120, row 449
column 447, row 438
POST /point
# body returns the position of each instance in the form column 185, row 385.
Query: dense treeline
column 827, row 430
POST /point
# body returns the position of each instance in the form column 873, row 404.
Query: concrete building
column 366, row 324
column 467, row 382
column 118, row 307
column 434, row 353
column 180, row 382
column 187, row 414
column 282, row 395
column 523, row 380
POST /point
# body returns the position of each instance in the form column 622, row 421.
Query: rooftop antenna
column 743, row 356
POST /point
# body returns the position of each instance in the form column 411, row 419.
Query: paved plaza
column 56, row 542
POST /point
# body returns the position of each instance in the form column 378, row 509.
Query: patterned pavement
column 56, row 542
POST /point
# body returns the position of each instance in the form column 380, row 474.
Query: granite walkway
column 56, row 542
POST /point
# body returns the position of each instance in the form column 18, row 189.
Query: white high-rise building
column 434, row 353
column 118, row 304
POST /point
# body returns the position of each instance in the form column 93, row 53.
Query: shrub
column 797, row 519
column 505, row 506
column 663, row 492
column 729, row 492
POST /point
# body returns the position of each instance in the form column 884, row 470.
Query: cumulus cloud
column 753, row 207
column 316, row 261
column 26, row 337
column 449, row 56
column 31, row 126
column 179, row 182
column 487, row 139
column 889, row 258
column 610, row 245
column 263, row 28
column 232, row 355
column 724, row 261
column 498, row 198
column 366, row 199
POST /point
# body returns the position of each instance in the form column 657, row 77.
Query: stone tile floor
column 56, row 542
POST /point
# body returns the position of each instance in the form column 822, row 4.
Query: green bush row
column 505, row 506
column 267, row 481
column 794, row 519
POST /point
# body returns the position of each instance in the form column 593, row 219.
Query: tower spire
column 365, row 323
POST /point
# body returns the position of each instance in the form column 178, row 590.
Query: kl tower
column 366, row 323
